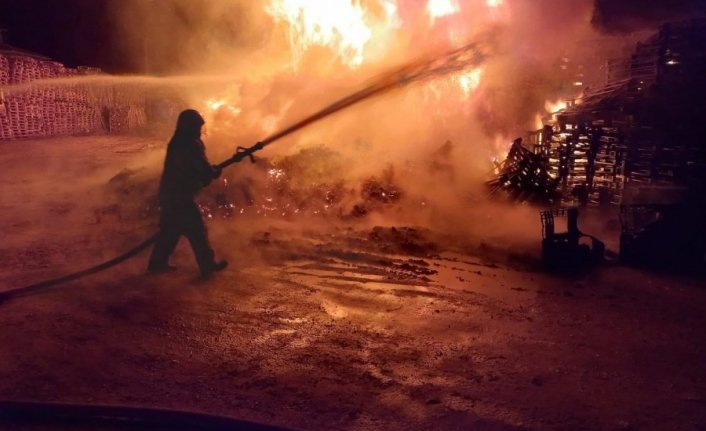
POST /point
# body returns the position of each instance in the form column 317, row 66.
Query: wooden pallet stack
column 5, row 129
column 609, row 157
column 40, row 111
column 643, row 129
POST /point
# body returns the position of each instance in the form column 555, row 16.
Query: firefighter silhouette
column 186, row 171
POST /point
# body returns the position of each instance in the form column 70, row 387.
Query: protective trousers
column 177, row 219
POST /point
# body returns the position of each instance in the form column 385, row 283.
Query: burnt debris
column 526, row 176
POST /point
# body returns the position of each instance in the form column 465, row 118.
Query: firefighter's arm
column 204, row 171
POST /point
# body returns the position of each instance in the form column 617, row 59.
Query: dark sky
column 628, row 15
column 81, row 32
column 74, row 32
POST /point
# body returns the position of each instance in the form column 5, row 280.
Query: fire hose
column 454, row 61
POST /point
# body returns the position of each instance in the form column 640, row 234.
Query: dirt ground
column 327, row 325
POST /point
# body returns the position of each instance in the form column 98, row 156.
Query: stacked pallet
column 45, row 110
column 4, row 70
column 643, row 129
column 608, row 173
column 557, row 151
column 577, row 160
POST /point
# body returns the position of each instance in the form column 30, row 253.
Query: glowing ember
column 440, row 8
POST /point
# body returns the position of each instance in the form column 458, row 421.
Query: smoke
column 280, row 73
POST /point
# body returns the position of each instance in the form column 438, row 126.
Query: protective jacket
column 186, row 170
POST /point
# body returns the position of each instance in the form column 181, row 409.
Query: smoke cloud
column 435, row 141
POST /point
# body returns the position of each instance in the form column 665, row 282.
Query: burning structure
column 637, row 143
column 430, row 313
column 642, row 129
column 68, row 110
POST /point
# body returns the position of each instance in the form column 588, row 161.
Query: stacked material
column 46, row 110
column 643, row 129
column 608, row 173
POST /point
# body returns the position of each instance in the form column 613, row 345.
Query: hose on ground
column 37, row 287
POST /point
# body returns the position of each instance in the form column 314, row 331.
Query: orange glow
column 501, row 147
column 469, row 81
column 361, row 35
column 555, row 107
column 214, row 104
column 217, row 104
column 440, row 8
column 344, row 26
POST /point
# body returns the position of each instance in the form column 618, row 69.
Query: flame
column 469, row 80
column 499, row 151
column 440, row 8
column 344, row 26
column 494, row 3
column 215, row 105
column 359, row 34
column 555, row 107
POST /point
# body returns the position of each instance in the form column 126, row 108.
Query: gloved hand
column 216, row 171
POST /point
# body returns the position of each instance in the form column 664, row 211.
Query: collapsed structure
column 41, row 111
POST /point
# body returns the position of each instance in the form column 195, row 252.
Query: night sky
column 74, row 32
column 82, row 32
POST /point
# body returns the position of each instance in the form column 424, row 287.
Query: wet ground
column 325, row 324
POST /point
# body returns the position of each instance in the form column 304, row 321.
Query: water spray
column 466, row 57
column 428, row 68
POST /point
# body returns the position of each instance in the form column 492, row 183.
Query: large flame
column 440, row 8
column 344, row 26
column 555, row 107
column 358, row 32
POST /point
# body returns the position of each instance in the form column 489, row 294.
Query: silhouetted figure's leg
column 170, row 229
column 195, row 230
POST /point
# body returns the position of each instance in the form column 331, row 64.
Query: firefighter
column 186, row 171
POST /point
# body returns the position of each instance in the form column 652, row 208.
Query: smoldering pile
column 314, row 181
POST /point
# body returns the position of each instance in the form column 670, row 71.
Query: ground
column 327, row 325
